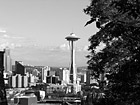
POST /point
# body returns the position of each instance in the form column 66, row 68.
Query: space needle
column 73, row 73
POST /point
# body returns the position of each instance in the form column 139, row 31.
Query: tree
column 119, row 27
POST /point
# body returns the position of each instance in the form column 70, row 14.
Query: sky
column 35, row 30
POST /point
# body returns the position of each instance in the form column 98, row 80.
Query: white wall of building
column 7, row 60
column 25, row 81
column 66, row 75
column 19, row 81
column 14, row 81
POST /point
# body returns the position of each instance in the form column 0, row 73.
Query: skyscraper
column 3, row 100
column 65, row 76
column 45, row 72
column 7, row 60
column 19, row 68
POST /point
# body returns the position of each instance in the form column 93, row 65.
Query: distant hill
column 79, row 69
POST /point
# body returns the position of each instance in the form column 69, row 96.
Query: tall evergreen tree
column 119, row 28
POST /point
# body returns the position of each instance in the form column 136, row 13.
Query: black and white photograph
column 69, row 52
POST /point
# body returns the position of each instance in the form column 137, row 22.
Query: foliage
column 119, row 24
column 126, row 83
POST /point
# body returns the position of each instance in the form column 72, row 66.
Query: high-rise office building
column 52, row 79
column 19, row 68
column 66, row 74
column 48, row 79
column 45, row 72
column 83, row 78
column 7, row 59
column 24, row 81
column 18, row 81
column 12, row 81
column 3, row 100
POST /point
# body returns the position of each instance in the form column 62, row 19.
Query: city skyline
column 41, row 26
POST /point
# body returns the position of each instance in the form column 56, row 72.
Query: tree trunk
column 3, row 100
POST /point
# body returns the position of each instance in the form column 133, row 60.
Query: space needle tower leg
column 72, row 65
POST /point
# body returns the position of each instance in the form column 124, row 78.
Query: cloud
column 2, row 30
column 6, row 36
column 28, row 51
column 10, row 45
column 13, row 41
column 47, row 57
column 64, row 47
column 85, row 48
